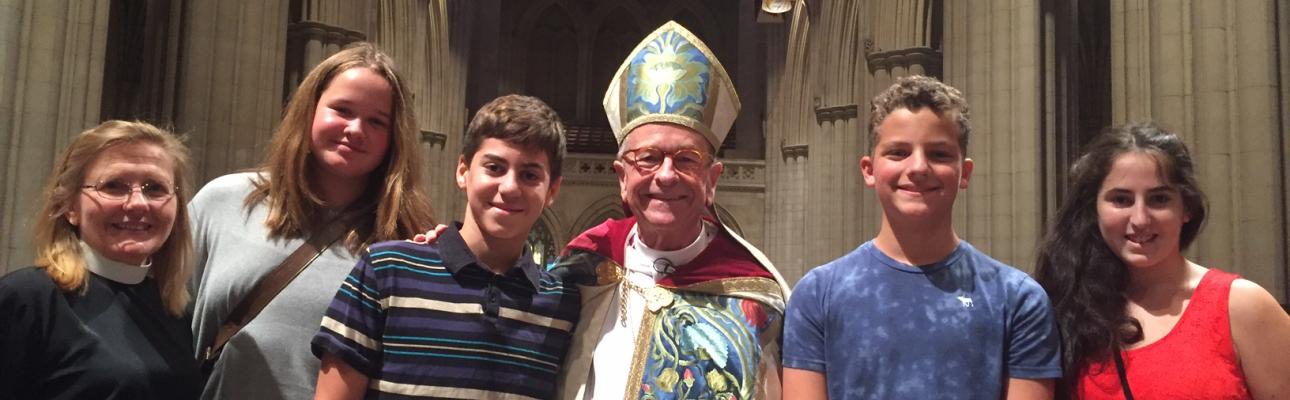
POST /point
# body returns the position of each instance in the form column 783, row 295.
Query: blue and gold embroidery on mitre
column 672, row 77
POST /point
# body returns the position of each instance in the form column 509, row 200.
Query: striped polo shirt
column 430, row 321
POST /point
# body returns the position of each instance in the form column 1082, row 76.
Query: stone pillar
column 1209, row 72
column 748, row 131
column 322, row 28
column 448, row 41
column 1283, row 59
column 403, row 31
column 992, row 54
column 788, row 104
column 51, row 77
column 901, row 41
column 230, row 81
column 420, row 35
column 834, row 177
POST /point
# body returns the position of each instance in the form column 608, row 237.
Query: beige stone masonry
column 51, row 77
column 1210, row 71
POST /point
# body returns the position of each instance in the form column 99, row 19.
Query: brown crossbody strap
column 270, row 285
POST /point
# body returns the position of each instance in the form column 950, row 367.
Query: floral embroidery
column 705, row 347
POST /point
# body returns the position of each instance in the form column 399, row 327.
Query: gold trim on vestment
column 734, row 286
column 643, row 337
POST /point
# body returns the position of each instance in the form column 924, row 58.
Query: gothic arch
column 545, row 238
column 534, row 12
column 632, row 8
column 615, row 31
column 553, row 38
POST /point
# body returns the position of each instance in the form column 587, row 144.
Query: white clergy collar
column 660, row 262
column 114, row 270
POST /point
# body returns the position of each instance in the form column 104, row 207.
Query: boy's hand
column 431, row 235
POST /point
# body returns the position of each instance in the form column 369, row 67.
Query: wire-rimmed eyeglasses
column 117, row 190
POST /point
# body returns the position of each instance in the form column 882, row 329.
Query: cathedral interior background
column 1042, row 76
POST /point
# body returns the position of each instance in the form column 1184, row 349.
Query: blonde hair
column 295, row 209
column 57, row 241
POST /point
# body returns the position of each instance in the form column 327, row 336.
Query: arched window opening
column 542, row 244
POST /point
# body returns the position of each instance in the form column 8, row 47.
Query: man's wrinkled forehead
column 663, row 136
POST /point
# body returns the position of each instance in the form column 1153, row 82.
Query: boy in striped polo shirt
column 470, row 316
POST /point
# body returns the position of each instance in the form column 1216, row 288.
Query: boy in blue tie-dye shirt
column 917, row 313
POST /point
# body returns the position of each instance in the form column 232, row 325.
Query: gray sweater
column 270, row 357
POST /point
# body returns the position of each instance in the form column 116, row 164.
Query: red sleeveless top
column 1195, row 360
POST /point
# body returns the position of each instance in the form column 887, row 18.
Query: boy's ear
column 968, row 165
column 553, row 191
column 462, row 167
column 866, row 169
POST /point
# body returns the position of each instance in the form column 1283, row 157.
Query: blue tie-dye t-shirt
column 957, row 329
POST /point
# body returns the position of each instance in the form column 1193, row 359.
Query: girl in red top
column 1124, row 294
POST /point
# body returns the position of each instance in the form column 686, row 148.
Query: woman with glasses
column 101, row 314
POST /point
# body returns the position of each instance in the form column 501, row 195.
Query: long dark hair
column 1085, row 280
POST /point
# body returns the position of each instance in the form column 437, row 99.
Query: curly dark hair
column 915, row 93
column 1085, row 280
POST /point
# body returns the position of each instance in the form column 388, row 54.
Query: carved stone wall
column 788, row 121
column 229, row 89
column 1212, row 72
column 430, row 41
column 991, row 53
column 51, row 71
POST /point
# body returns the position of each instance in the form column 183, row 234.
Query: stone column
column 752, row 86
column 775, row 37
column 322, row 28
column 230, row 81
column 834, row 178
column 403, row 31
column 992, row 54
column 51, row 72
column 448, row 50
column 901, row 41
column 1283, row 61
column 788, row 104
column 1209, row 72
